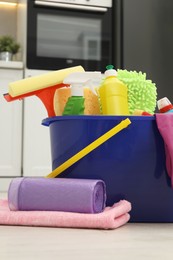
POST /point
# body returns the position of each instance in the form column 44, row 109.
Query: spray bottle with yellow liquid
column 113, row 94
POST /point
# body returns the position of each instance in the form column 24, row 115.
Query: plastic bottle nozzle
column 77, row 80
column 110, row 71
column 164, row 105
column 109, row 67
column 163, row 102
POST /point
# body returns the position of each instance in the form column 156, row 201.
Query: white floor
column 131, row 242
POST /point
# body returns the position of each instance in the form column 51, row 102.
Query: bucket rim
column 49, row 120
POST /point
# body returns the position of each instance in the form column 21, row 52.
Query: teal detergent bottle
column 76, row 103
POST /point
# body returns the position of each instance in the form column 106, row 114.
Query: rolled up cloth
column 111, row 218
column 57, row 194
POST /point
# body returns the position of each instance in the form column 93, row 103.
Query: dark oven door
column 65, row 37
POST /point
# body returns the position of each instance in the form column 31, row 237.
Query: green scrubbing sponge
column 142, row 93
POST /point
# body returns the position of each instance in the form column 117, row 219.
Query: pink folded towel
column 111, row 218
column 165, row 127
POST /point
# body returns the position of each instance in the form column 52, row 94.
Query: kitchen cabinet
column 24, row 142
column 10, row 127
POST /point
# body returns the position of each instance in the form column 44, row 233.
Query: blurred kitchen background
column 130, row 34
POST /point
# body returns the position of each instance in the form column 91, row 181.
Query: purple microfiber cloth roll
column 57, row 194
column 165, row 127
column 111, row 218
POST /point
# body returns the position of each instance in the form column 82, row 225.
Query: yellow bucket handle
column 103, row 138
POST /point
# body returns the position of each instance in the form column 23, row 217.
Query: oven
column 64, row 33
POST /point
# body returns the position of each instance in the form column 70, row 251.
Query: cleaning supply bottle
column 139, row 112
column 75, row 103
column 113, row 94
column 164, row 105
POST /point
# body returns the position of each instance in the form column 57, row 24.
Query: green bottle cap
column 109, row 67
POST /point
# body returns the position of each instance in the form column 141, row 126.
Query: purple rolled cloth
column 57, row 194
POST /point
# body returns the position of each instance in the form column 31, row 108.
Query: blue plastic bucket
column 132, row 163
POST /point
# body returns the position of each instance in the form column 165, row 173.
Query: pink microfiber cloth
column 111, row 218
column 165, row 127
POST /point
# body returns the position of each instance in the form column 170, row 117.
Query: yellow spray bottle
column 113, row 94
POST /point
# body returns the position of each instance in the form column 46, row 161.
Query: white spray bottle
column 77, row 80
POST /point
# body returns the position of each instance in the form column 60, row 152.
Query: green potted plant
column 8, row 47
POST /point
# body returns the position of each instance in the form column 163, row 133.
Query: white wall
column 8, row 20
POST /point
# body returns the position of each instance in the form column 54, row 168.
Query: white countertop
column 11, row 64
